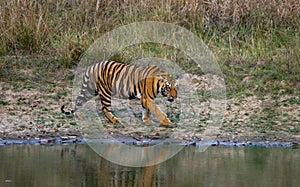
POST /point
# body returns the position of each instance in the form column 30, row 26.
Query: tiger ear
column 176, row 83
column 176, row 80
column 160, row 77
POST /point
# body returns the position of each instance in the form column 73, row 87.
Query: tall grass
column 30, row 27
column 236, row 31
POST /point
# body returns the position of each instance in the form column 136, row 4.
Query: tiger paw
column 166, row 122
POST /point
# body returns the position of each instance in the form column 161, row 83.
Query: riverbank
column 30, row 113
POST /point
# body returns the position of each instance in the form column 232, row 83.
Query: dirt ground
column 32, row 112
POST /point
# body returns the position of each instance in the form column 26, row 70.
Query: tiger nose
column 171, row 99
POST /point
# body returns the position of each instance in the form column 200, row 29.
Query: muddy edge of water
column 264, row 140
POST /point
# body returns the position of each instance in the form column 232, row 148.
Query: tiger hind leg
column 146, row 119
column 106, row 109
column 110, row 116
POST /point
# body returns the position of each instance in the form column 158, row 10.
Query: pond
column 79, row 165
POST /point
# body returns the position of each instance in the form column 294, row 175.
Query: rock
column 72, row 137
column 44, row 141
column 267, row 142
column 65, row 137
column 35, row 103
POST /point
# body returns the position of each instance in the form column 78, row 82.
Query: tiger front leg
column 154, row 109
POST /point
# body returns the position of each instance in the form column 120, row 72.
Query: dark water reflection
column 78, row 165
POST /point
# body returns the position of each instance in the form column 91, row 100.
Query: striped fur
column 111, row 78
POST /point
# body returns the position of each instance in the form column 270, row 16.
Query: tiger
column 127, row 81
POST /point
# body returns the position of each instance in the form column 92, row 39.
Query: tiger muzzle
column 171, row 99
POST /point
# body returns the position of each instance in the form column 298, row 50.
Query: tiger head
column 168, row 89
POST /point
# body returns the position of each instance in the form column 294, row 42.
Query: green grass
column 291, row 100
column 4, row 103
column 73, row 123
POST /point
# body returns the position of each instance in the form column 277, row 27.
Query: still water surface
column 78, row 165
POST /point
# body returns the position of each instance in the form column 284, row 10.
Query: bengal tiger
column 111, row 78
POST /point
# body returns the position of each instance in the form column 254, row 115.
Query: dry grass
column 35, row 26
column 237, row 31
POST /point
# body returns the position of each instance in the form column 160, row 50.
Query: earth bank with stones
column 31, row 113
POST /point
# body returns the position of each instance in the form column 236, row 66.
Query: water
column 78, row 165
